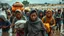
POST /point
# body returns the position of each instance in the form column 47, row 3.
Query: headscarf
column 31, row 12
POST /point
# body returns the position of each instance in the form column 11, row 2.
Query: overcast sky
column 31, row 1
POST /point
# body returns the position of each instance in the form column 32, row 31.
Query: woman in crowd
column 49, row 22
column 34, row 26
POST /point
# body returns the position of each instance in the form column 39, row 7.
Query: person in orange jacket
column 49, row 22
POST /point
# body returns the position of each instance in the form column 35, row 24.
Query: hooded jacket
column 3, row 13
column 4, row 23
column 3, row 17
column 42, row 14
column 33, row 28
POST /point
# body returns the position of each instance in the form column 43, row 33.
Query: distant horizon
column 32, row 1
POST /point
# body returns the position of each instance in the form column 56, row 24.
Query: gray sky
column 31, row 1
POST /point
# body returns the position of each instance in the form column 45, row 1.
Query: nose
column 33, row 16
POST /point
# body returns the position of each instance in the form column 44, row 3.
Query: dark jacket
column 4, row 23
column 34, row 28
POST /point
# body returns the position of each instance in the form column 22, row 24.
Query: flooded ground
column 56, row 33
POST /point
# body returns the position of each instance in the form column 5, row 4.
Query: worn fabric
column 4, row 23
column 34, row 28
column 5, row 34
column 15, row 20
column 7, row 23
column 51, row 21
column 3, row 13
column 11, row 18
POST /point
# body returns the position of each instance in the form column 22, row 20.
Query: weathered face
column 48, row 14
column 33, row 16
column 18, row 15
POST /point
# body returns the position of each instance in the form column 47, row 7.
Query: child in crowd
column 18, row 16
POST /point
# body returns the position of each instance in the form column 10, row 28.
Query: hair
column 49, row 10
column 18, row 11
column 59, row 9
column 33, row 11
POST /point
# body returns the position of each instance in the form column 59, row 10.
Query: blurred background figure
column 18, row 16
column 40, row 14
column 27, row 11
column 58, row 18
column 49, row 22
column 63, row 15
column 8, row 15
column 5, row 25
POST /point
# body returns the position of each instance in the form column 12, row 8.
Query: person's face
column 27, row 13
column 48, row 14
column 33, row 16
column 13, row 14
column 41, row 14
column 18, row 15
column 59, row 12
column 9, row 13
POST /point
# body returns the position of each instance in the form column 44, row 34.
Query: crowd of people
column 36, row 22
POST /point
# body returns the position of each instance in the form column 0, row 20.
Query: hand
column 4, row 27
column 12, row 25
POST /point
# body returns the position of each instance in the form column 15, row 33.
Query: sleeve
column 42, row 25
column 25, row 29
column 43, row 19
column 43, row 30
column 11, row 19
column 8, row 23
